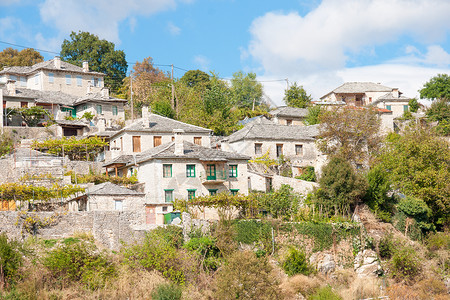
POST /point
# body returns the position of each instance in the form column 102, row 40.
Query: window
column 118, row 204
column 210, row 172
column 279, row 150
column 164, row 208
column 258, row 149
column 289, row 122
column 99, row 109
column 168, row 196
column 405, row 108
column 68, row 79
column 190, row 170
column 234, row 191
column 23, row 81
column 114, row 110
column 212, row 192
column 156, row 141
column 370, row 99
column 51, row 77
column 95, row 81
column 232, row 169
column 13, row 77
column 198, row 140
column 388, row 107
column 23, row 104
column 298, row 149
column 191, row 194
column 79, row 80
column 84, row 107
column 167, row 171
column 36, row 79
column 136, row 143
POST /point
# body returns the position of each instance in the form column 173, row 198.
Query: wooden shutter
column 156, row 141
column 136, row 144
column 198, row 140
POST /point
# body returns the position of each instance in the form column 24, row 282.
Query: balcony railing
column 213, row 177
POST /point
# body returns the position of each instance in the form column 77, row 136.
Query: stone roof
column 159, row 123
column 389, row 97
column 287, row 111
column 97, row 97
column 108, row 188
column 47, row 65
column 274, row 132
column 71, row 123
column 359, row 88
column 122, row 159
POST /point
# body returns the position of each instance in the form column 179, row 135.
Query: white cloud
column 173, row 29
column 203, row 62
column 327, row 36
column 13, row 29
column 101, row 17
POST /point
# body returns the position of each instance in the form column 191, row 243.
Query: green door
column 211, row 172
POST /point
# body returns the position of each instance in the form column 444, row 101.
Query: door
column 157, row 141
column 136, row 144
column 211, row 172
column 150, row 214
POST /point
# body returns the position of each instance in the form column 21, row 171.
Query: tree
column 196, row 78
column 101, row 55
column 26, row 57
column 246, row 91
column 437, row 88
column 31, row 115
column 313, row 116
column 351, row 133
column 377, row 193
column 296, row 96
column 440, row 111
column 413, row 105
column 417, row 163
column 340, row 187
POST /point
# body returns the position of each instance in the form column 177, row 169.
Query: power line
column 2, row 42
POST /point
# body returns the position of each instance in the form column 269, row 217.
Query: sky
column 317, row 44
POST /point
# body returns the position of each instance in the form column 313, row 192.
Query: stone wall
column 19, row 133
column 83, row 167
column 109, row 228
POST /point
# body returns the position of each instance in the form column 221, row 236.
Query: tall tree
column 26, row 57
column 351, row 133
column 196, row 78
column 417, row 163
column 246, row 91
column 296, row 96
column 440, row 111
column 101, row 55
column 437, row 88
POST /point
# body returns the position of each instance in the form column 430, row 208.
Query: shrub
column 252, row 231
column 325, row 293
column 308, row 174
column 438, row 240
column 246, row 277
column 296, row 263
column 405, row 264
column 10, row 259
column 6, row 144
column 167, row 291
column 206, row 248
column 80, row 262
column 386, row 247
column 171, row 234
column 282, row 203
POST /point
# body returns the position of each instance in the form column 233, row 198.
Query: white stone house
column 369, row 93
column 151, row 131
column 182, row 170
column 286, row 115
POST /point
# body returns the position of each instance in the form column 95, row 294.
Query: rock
column 366, row 264
column 323, row 262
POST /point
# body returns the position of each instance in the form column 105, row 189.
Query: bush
column 438, row 241
column 10, row 260
column 206, row 248
column 405, row 264
column 246, row 277
column 325, row 293
column 167, row 291
column 283, row 203
column 386, row 247
column 80, row 262
column 308, row 174
column 296, row 263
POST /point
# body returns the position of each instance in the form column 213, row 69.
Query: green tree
column 377, row 193
column 313, row 116
column 31, row 115
column 440, row 111
column 417, row 163
column 6, row 144
column 413, row 105
column 437, row 88
column 340, row 187
column 352, row 133
column 101, row 55
column 26, row 57
column 163, row 108
column 296, row 96
column 246, row 92
column 196, row 78
column 10, row 260
column 283, row 202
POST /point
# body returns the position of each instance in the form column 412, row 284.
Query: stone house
column 151, row 131
column 182, row 169
column 286, row 115
column 369, row 93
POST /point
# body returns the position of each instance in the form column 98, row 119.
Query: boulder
column 366, row 264
column 323, row 262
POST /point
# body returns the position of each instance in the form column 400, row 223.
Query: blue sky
column 318, row 44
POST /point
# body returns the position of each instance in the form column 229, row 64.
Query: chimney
column 145, row 113
column 179, row 148
column 85, row 66
column 395, row 93
column 105, row 92
column 101, row 124
column 57, row 62
column 11, row 87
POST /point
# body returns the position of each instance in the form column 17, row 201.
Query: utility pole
column 287, row 83
column 131, row 94
column 173, row 91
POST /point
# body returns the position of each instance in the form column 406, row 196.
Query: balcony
column 213, row 177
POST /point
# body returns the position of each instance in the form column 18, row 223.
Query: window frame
column 405, row 108
column 234, row 192
column 277, row 148
column 191, row 193
column 99, row 109
column 136, row 143
column 258, row 146
column 297, row 147
column 212, row 192
column 168, row 192
column 198, row 140
column 68, row 79
column 389, row 107
column 79, row 80
column 115, row 110
column 233, row 171
column 190, row 170
column 166, row 169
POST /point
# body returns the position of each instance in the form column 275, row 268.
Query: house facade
column 285, row 115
